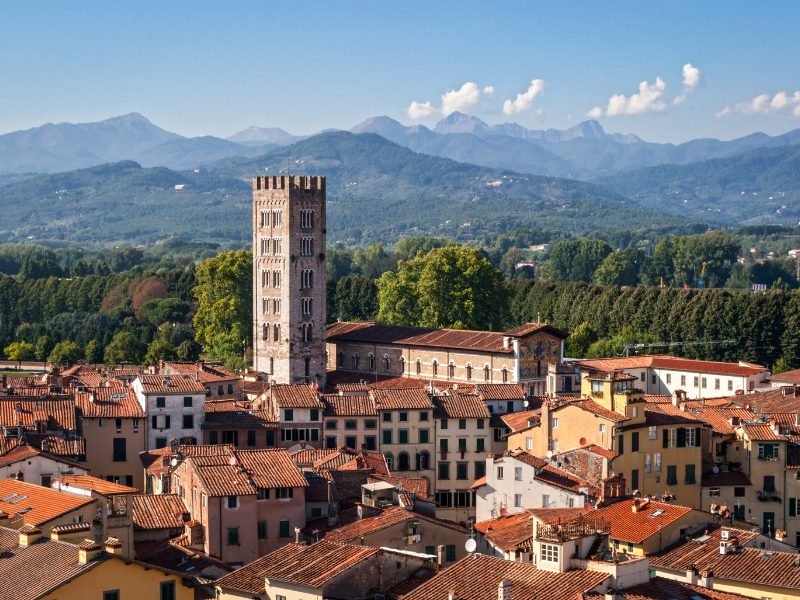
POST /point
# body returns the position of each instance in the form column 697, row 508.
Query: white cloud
column 691, row 79
column 782, row 103
column 488, row 90
column 595, row 113
column 649, row 99
column 420, row 110
column 461, row 99
column 524, row 101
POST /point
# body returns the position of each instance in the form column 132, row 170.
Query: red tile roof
column 349, row 406
column 25, row 452
column 500, row 391
column 659, row 588
column 762, row 433
column 38, row 505
column 386, row 518
column 748, row 565
column 309, row 566
column 790, row 377
column 206, row 373
column 56, row 414
column 371, row 332
column 457, row 404
column 237, row 414
column 477, row 577
column 525, row 457
column 401, row 399
column 593, row 407
column 161, row 511
column 171, row 384
column 557, row 515
column 508, row 533
column 295, row 396
column 109, row 403
column 520, row 421
column 674, row 363
column 720, row 419
column 271, row 468
column 92, row 484
column 636, row 527
column 223, row 480
column 527, row 329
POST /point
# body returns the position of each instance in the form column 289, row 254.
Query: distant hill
column 377, row 190
column 190, row 153
column 759, row 186
column 256, row 136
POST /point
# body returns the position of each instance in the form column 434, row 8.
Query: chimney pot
column 29, row 534
column 504, row 590
column 113, row 546
column 440, row 555
column 88, row 550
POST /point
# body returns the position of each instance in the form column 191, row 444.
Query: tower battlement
column 293, row 182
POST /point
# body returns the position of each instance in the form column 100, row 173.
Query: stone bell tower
column 289, row 278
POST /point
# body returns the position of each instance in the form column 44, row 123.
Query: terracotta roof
column 56, row 414
column 520, row 421
column 771, row 401
column 508, row 533
column 354, row 382
column 478, row 483
column 349, row 406
column 525, row 457
column 295, row 396
column 762, row 433
column 109, row 403
column 749, row 565
column 563, row 479
column 557, row 515
column 206, row 372
column 43, row 566
column 237, row 414
column 312, row 566
column 636, row 527
column 792, row 377
column 654, row 416
column 527, row 329
column 477, row 577
column 224, row 480
column 674, row 363
column 456, row 404
column 593, row 407
column 271, row 468
column 659, row 588
column 171, row 384
column 419, row 486
column 308, row 456
column 401, row 399
column 720, row 419
column 386, row 518
column 36, row 505
column 371, row 332
column 161, row 511
column 93, row 484
column 25, row 452
column 500, row 391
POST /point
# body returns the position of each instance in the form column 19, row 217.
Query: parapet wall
column 294, row 182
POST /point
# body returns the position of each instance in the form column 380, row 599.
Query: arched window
column 434, row 367
column 371, row 361
column 505, row 375
column 354, row 361
column 451, row 370
column 307, row 332
column 276, row 332
column 402, row 364
column 271, row 365
column 389, row 460
column 419, row 366
column 469, row 372
column 487, row 376
column 264, row 306
column 340, row 359
column 403, row 462
column 308, row 367
column 386, row 363
column 423, row 460
column 265, row 331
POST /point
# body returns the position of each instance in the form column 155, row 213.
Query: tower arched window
column 264, row 306
column 419, row 366
column 271, row 365
column 434, row 368
column 265, row 331
column 402, row 364
column 354, row 361
column 487, row 376
column 276, row 332
column 469, row 372
column 451, row 370
column 505, row 375
column 386, row 363
column 371, row 361
column 423, row 460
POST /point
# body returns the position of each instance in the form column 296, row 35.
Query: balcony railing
column 768, row 496
column 770, row 457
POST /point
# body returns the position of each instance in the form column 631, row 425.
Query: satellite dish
column 470, row 545
column 715, row 469
column 582, row 441
column 549, row 454
column 174, row 462
column 526, row 404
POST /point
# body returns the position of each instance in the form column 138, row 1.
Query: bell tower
column 289, row 278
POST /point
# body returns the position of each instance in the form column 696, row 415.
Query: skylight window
column 17, row 500
column 9, row 497
column 656, row 513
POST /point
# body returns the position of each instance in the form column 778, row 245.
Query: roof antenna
column 538, row 318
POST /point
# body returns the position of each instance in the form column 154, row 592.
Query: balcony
column 768, row 495
column 769, row 457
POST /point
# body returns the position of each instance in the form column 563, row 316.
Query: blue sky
column 214, row 68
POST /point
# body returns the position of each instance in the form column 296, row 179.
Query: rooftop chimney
column 635, row 505
column 73, row 533
column 88, row 550
column 113, row 546
column 504, row 590
column 3, row 518
column 440, row 555
column 28, row 534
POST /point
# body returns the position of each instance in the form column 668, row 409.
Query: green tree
column 577, row 260
column 65, row 353
column 579, row 341
column 159, row 349
column 44, row 346
column 453, row 286
column 780, row 366
column 19, row 351
column 94, row 352
column 164, row 310
column 124, row 348
column 224, row 292
column 620, row 268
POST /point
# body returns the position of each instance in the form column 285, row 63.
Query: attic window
column 656, row 513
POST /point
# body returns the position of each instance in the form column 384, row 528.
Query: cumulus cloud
column 524, row 100
column 691, row 79
column 649, row 99
column 783, row 103
column 595, row 113
column 462, row 99
column 420, row 110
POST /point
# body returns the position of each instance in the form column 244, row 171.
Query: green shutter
column 681, row 437
column 665, row 437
